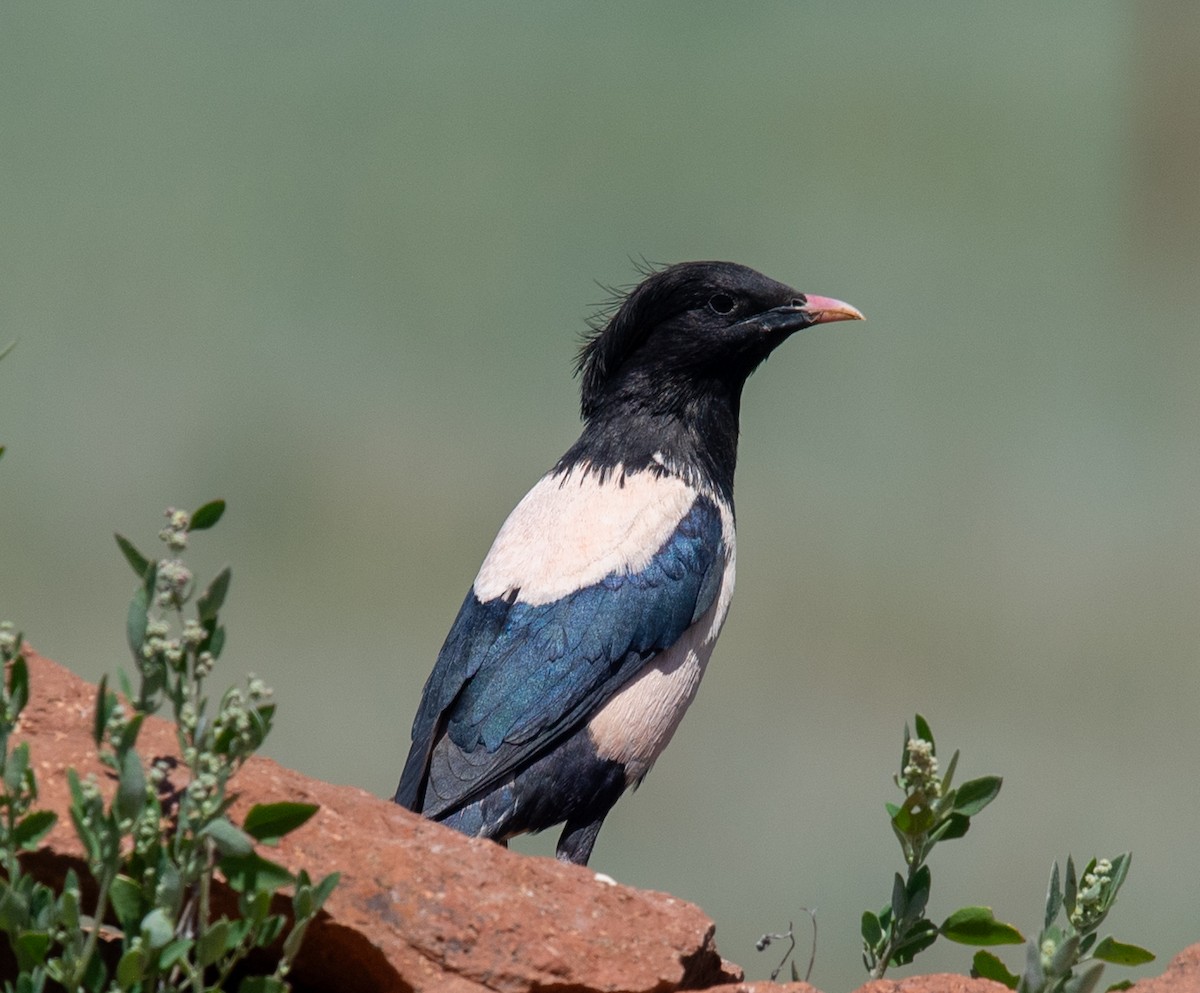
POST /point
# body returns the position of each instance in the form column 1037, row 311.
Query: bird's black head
column 662, row 378
column 692, row 332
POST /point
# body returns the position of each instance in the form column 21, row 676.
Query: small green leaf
column 173, row 952
column 978, row 926
column 74, row 787
column 1119, row 953
column 255, row 906
column 261, row 719
column 18, row 684
column 271, row 929
column 206, row 516
column 211, row 599
column 33, row 827
column 1070, row 887
column 252, row 873
column 43, row 906
column 322, row 890
column 1085, row 980
column 921, row 814
column 126, row 685
column 105, row 702
column 131, row 967
column 1054, row 897
column 1120, row 869
column 268, row 822
column 985, row 965
column 210, row 946
column 216, row 642
column 1065, row 956
column 138, row 618
column 1124, row 984
column 976, row 794
column 169, row 893
column 129, row 734
column 229, row 839
column 1034, row 976
column 14, row 909
column 954, row 826
column 295, row 937
column 917, row 893
column 83, row 828
column 130, row 800
column 126, row 898
column 137, row 561
column 31, row 948
column 899, row 899
column 948, row 775
column 923, row 731
column 915, row 817
column 872, row 933
column 302, row 901
column 15, row 769
column 157, row 928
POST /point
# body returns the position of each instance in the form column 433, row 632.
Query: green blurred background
column 331, row 262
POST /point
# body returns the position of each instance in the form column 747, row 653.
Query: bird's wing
column 515, row 677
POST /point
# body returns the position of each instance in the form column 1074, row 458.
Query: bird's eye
column 721, row 303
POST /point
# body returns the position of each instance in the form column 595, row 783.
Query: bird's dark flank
column 585, row 634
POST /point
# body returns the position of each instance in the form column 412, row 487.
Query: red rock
column 936, row 983
column 762, row 987
column 419, row 907
column 1182, row 975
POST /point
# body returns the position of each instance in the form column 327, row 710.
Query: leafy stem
column 157, row 843
column 933, row 811
column 1066, row 958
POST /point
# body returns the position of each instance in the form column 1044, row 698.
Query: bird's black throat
column 694, row 437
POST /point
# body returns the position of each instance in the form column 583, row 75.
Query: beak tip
column 825, row 310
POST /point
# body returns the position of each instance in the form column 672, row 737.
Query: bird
column 585, row 634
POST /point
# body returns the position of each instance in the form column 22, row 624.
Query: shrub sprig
column 155, row 850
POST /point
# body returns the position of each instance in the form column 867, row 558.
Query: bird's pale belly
column 636, row 725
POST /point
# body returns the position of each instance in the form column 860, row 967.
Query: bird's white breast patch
column 572, row 530
column 638, row 722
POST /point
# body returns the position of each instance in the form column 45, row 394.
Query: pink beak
column 826, row 309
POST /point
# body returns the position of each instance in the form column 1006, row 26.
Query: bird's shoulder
column 583, row 523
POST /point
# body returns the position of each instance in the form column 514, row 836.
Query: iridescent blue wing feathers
column 514, row 678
